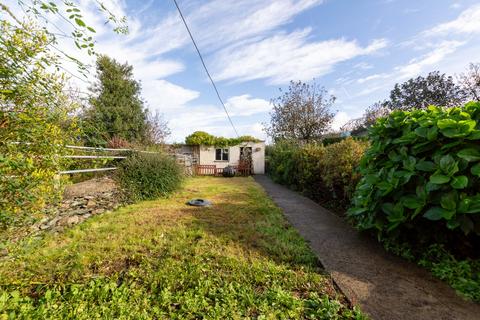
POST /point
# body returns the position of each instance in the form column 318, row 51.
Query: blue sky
column 357, row 49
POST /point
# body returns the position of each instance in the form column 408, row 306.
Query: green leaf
column 421, row 131
column 412, row 202
column 406, row 138
column 469, row 154
column 409, row 163
column 474, row 135
column 394, row 212
column 459, row 182
column 432, row 186
column 473, row 204
column 448, row 165
column 449, row 201
column 475, row 170
column 432, row 133
column 80, row 22
column 437, row 213
column 453, row 224
column 91, row 29
column 446, row 123
column 438, row 178
column 387, row 208
column 427, row 166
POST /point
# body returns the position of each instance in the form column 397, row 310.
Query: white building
column 220, row 157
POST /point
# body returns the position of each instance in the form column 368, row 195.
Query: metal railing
column 95, row 149
column 186, row 160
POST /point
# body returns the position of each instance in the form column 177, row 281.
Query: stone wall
column 81, row 201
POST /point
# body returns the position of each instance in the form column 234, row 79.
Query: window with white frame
column 221, row 154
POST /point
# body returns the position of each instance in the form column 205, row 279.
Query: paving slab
column 382, row 285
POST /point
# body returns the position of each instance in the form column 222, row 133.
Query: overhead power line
column 205, row 67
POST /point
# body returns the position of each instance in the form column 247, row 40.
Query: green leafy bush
column 145, row 176
column 34, row 123
column 203, row 138
column 338, row 166
column 420, row 187
column 322, row 173
column 422, row 171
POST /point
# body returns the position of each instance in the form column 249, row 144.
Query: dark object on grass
column 229, row 171
column 199, row 203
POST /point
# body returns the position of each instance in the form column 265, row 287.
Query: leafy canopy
column 117, row 109
column 203, row 138
column 301, row 114
column 419, row 93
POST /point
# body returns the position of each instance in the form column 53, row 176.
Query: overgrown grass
column 163, row 259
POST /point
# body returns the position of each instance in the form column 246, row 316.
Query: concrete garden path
column 384, row 286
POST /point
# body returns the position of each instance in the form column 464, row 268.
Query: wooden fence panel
column 205, row 170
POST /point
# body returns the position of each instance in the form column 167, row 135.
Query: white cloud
column 468, row 22
column 219, row 23
column 372, row 77
column 363, row 65
column 214, row 120
column 415, row 66
column 245, row 105
column 167, row 97
column 284, row 57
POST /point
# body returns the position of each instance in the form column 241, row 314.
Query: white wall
column 207, row 156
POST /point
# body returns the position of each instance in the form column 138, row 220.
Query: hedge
column 147, row 176
column 420, row 191
column 422, row 171
column 324, row 173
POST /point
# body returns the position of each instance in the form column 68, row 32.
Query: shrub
column 34, row 123
column 330, row 140
column 420, row 179
column 322, row 173
column 145, row 176
column 281, row 163
column 338, row 166
column 206, row 139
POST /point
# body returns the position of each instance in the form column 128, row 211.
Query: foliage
column 161, row 259
column 324, row 173
column 331, row 140
column 462, row 275
column 146, row 176
column 116, row 106
column 338, row 166
column 420, row 181
column 302, row 113
column 203, row 138
column 434, row 89
column 34, row 124
column 470, row 81
column 81, row 34
column 422, row 166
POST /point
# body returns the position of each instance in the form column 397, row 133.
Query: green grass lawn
column 165, row 260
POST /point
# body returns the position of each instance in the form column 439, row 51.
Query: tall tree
column 117, row 109
column 302, row 113
column 436, row 88
column 470, row 81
